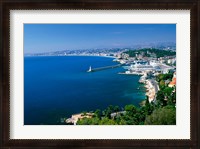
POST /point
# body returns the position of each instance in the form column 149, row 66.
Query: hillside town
column 148, row 65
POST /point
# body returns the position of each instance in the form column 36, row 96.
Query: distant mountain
column 108, row 51
column 158, row 45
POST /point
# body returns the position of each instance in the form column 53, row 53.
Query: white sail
column 90, row 69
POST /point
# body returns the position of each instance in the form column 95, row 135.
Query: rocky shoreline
column 151, row 87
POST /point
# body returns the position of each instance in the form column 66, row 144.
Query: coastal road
column 155, row 84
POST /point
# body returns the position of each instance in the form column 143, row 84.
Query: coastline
column 150, row 85
column 150, row 90
column 113, row 57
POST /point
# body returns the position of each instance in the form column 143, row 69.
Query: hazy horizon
column 39, row 38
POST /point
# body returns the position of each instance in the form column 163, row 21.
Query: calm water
column 56, row 87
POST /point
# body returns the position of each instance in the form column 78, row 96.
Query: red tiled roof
column 173, row 82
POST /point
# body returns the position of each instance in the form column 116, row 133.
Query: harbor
column 148, row 70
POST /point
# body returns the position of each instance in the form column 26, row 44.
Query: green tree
column 107, row 121
column 172, row 98
column 108, row 111
column 95, row 121
column 168, row 91
column 97, row 113
column 162, row 116
column 130, row 109
column 84, row 121
column 148, row 106
column 161, row 99
column 116, row 109
column 162, row 83
column 122, row 122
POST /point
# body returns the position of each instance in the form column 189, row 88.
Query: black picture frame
column 7, row 5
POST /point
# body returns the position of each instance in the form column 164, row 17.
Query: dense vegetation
column 160, row 112
column 147, row 52
column 166, row 95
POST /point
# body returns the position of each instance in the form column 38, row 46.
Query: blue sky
column 57, row 37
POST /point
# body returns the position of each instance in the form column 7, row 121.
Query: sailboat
column 90, row 69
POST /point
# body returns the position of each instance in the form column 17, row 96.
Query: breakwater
column 103, row 68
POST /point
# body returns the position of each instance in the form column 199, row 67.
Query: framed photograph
column 95, row 74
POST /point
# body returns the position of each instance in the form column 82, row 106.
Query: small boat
column 90, row 69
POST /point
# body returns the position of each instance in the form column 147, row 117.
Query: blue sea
column 58, row 86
